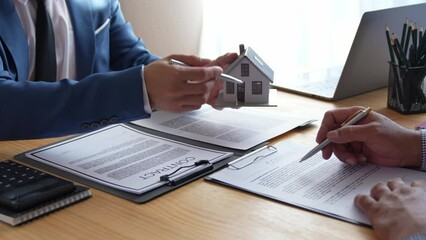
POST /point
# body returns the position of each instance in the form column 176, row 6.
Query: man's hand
column 180, row 88
column 396, row 210
column 375, row 139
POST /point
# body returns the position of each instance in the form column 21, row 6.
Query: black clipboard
column 147, row 196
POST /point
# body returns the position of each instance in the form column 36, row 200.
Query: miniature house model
column 256, row 75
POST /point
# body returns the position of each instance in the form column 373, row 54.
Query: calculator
column 23, row 187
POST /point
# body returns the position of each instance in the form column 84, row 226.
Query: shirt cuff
column 423, row 163
column 146, row 104
column 419, row 236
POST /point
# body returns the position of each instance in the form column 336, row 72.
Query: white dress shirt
column 64, row 36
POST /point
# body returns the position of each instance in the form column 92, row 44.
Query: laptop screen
column 366, row 67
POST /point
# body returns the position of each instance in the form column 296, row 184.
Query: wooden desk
column 202, row 210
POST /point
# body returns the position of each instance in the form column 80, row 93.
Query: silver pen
column 352, row 120
column 223, row 76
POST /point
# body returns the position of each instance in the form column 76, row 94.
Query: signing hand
column 375, row 139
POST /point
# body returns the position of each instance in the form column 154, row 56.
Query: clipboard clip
column 189, row 174
column 238, row 164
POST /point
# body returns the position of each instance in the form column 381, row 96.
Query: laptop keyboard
column 320, row 82
column 325, row 88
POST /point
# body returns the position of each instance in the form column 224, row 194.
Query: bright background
column 286, row 34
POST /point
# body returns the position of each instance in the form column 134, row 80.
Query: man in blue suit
column 104, row 72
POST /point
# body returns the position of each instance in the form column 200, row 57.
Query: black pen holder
column 406, row 93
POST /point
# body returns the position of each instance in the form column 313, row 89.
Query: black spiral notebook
column 27, row 193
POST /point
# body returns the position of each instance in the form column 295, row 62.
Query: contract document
column 240, row 129
column 324, row 186
column 127, row 159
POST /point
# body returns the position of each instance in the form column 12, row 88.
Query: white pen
column 223, row 76
column 352, row 120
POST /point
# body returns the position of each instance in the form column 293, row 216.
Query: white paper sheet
column 240, row 129
column 325, row 186
column 124, row 158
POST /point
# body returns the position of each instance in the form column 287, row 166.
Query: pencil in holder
column 406, row 93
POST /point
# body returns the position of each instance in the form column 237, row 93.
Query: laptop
column 366, row 67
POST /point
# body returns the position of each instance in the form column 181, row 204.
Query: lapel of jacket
column 84, row 35
column 13, row 36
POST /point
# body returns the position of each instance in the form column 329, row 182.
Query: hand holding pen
column 375, row 139
column 360, row 114
column 178, row 89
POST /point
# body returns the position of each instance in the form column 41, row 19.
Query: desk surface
column 201, row 209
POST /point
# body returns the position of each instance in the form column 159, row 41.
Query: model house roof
column 257, row 61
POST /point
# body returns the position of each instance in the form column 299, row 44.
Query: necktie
column 45, row 64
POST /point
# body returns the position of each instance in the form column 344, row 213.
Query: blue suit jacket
column 108, row 88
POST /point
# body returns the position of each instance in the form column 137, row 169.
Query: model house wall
column 255, row 88
column 256, row 75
